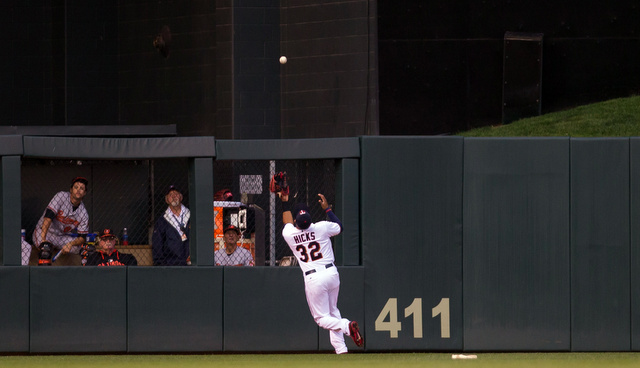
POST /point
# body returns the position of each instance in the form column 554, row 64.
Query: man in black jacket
column 170, row 240
column 107, row 255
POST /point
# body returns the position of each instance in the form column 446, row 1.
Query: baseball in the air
column 283, row 59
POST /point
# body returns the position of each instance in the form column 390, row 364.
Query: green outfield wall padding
column 635, row 241
column 347, row 245
column 516, row 244
column 462, row 244
column 78, row 309
column 287, row 149
column 351, row 305
column 123, row 148
column 14, row 308
column 175, row 309
column 265, row 309
column 600, row 253
column 200, row 187
column 91, row 130
column 411, row 216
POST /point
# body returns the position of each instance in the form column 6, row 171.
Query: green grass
column 364, row 360
column 614, row 118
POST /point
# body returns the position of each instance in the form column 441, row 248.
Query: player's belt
column 312, row 271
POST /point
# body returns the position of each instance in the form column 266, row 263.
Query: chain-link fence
column 256, row 211
column 121, row 194
column 130, row 194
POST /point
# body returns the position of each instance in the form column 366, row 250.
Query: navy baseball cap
column 172, row 188
column 300, row 206
column 303, row 219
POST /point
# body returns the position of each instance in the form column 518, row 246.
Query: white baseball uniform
column 240, row 257
column 314, row 251
column 67, row 219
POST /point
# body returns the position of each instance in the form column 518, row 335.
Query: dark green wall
column 412, row 245
column 518, row 244
column 600, row 268
column 14, row 304
column 174, row 309
column 75, row 309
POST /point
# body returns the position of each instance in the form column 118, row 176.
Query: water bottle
column 23, row 233
column 125, row 237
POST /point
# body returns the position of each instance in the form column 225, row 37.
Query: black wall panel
column 579, row 72
column 439, row 86
column 174, row 309
column 180, row 89
column 90, row 63
column 256, row 70
column 591, row 53
column 411, row 206
column 600, row 274
column 26, row 93
column 14, row 304
column 329, row 84
column 78, row 309
column 516, row 244
column 272, row 298
column 406, row 19
column 70, row 62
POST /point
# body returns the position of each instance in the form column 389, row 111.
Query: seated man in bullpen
column 232, row 254
column 106, row 253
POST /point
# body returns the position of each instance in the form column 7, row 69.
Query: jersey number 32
column 313, row 252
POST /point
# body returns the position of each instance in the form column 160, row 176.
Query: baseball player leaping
column 311, row 244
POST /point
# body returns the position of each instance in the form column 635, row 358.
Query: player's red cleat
column 354, row 332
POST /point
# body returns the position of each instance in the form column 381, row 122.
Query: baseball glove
column 279, row 184
column 86, row 249
column 45, row 253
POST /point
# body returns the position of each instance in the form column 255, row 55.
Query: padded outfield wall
column 450, row 244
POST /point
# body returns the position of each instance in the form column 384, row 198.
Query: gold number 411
column 390, row 309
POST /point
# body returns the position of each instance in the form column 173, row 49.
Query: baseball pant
column 322, row 289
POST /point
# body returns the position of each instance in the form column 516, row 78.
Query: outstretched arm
column 287, row 217
column 325, row 206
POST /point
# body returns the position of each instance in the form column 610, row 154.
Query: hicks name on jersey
column 304, row 237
